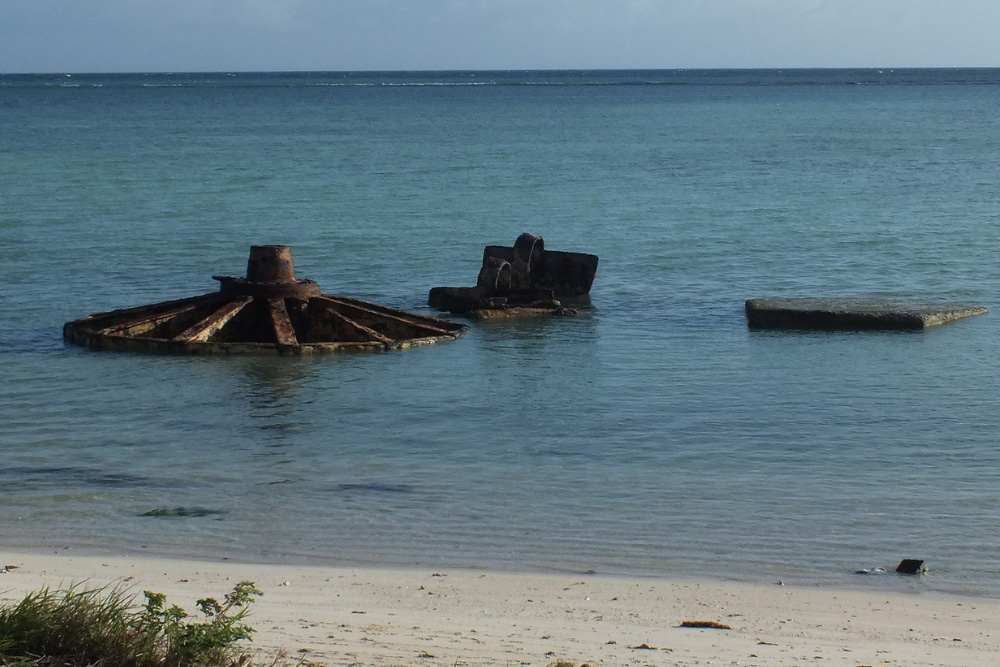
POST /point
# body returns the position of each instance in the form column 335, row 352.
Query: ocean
column 653, row 435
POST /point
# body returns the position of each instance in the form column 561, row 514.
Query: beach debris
column 712, row 625
column 852, row 314
column 906, row 566
column 911, row 566
column 522, row 280
column 268, row 311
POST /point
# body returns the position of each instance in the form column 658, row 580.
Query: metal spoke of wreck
column 433, row 323
column 386, row 313
column 125, row 317
column 201, row 331
column 284, row 334
column 331, row 310
column 148, row 323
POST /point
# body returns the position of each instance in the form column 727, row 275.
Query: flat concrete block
column 852, row 314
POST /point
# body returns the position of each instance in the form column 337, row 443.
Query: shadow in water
column 71, row 476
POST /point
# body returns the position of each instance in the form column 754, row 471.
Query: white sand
column 341, row 616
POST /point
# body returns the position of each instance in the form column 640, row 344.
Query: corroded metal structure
column 522, row 280
column 268, row 311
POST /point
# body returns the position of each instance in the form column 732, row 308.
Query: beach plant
column 210, row 642
column 80, row 625
column 103, row 627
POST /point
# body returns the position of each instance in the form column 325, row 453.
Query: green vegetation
column 105, row 628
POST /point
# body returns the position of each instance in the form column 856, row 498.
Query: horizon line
column 506, row 70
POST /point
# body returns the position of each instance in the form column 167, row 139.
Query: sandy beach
column 368, row 616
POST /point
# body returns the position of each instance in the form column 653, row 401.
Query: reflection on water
column 274, row 392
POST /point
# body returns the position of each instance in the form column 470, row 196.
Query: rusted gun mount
column 524, row 279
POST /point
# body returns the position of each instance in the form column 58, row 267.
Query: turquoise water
column 656, row 435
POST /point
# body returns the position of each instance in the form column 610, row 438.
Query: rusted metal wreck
column 522, row 280
column 268, row 311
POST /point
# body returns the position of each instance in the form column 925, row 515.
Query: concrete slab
column 852, row 314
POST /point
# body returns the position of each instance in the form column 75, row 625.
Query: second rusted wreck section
column 523, row 280
column 268, row 311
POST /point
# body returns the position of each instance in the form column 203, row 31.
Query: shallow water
column 656, row 435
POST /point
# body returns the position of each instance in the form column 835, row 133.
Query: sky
column 41, row 36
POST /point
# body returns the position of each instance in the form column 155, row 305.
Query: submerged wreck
column 518, row 281
column 269, row 311
column 852, row 314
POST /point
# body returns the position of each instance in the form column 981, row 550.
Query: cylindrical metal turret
column 270, row 264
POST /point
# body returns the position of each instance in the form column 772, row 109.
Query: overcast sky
column 241, row 35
